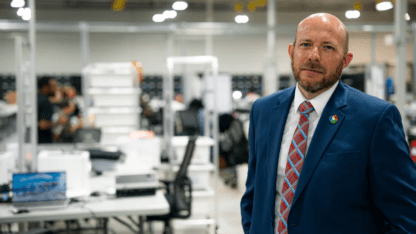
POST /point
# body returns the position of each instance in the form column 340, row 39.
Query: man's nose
column 314, row 54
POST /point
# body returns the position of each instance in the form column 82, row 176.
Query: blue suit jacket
column 357, row 176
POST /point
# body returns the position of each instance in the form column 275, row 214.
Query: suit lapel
column 324, row 133
column 277, row 121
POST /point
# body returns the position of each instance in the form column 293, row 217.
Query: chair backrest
column 189, row 120
column 187, row 157
column 182, row 194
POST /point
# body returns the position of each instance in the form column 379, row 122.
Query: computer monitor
column 88, row 135
column 37, row 187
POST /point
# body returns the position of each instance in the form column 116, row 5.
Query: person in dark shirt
column 45, row 111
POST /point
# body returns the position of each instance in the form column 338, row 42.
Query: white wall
column 60, row 52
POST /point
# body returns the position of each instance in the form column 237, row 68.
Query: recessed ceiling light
column 170, row 14
column 241, row 19
column 180, row 5
column 27, row 14
column 158, row 18
column 20, row 11
column 384, row 6
column 17, row 3
column 354, row 14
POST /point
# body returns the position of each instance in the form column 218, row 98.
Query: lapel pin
column 333, row 119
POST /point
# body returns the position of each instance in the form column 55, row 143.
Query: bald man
column 324, row 157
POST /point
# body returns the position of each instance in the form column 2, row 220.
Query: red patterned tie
column 294, row 164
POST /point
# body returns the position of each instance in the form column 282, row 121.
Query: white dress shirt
column 319, row 103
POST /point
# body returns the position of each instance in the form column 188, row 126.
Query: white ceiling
column 285, row 9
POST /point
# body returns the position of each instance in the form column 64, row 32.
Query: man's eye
column 305, row 44
column 329, row 47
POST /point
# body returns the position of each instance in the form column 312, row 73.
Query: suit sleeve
column 392, row 174
column 247, row 199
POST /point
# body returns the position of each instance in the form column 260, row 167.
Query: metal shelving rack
column 27, row 105
column 211, row 124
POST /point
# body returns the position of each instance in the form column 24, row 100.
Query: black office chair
column 234, row 148
column 189, row 121
column 179, row 191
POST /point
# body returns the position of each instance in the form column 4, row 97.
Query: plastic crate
column 202, row 150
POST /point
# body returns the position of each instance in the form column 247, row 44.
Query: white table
column 95, row 208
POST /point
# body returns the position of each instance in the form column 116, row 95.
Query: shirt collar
column 319, row 102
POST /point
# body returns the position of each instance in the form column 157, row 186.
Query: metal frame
column 33, row 89
column 401, row 49
column 211, row 116
column 202, row 28
column 26, row 85
column 21, row 67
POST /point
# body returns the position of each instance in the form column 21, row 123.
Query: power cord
column 132, row 220
column 89, row 209
column 125, row 224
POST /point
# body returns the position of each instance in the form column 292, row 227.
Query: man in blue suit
column 324, row 157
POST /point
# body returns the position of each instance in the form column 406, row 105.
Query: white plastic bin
column 140, row 154
column 111, row 75
column 193, row 226
column 115, row 96
column 202, row 203
column 111, row 135
column 200, row 175
column 202, row 150
column 108, row 117
column 111, row 80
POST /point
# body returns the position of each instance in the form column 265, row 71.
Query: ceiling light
column 170, row 14
column 241, row 19
column 354, row 14
column 237, row 94
column 20, row 11
column 180, row 5
column 158, row 18
column 17, row 3
column 407, row 16
column 384, row 6
column 27, row 14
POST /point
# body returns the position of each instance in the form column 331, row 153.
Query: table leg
column 23, row 227
column 141, row 225
column 105, row 225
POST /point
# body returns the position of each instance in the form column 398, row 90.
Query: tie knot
column 306, row 107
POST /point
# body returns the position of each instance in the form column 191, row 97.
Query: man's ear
column 290, row 50
column 347, row 59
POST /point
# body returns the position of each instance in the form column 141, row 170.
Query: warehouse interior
column 137, row 103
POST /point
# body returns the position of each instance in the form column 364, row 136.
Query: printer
column 137, row 184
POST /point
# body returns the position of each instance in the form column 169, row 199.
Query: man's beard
column 327, row 80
